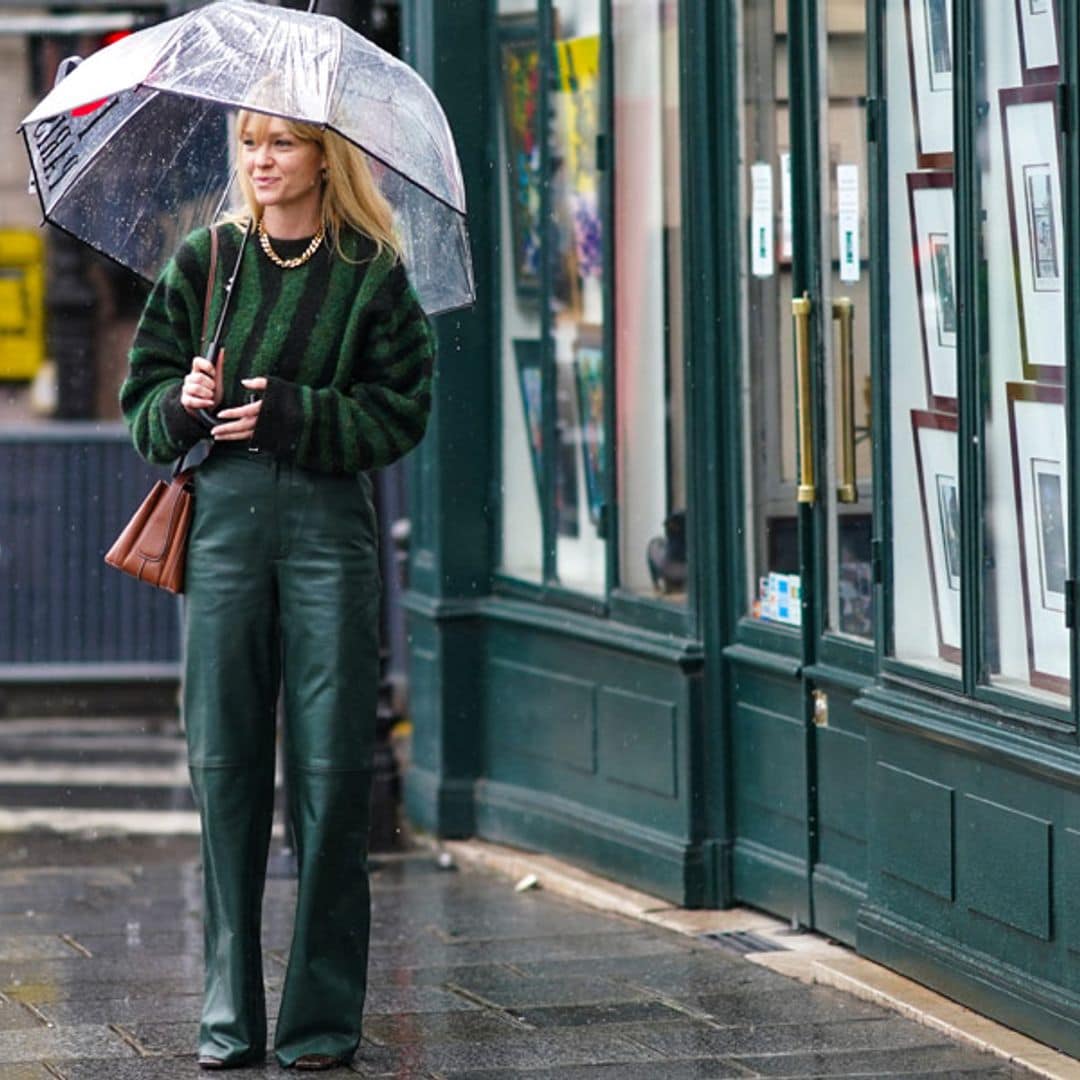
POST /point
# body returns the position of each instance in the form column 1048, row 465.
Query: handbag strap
column 180, row 474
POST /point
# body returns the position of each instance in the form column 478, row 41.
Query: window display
column 1025, row 646
column 648, row 334
column 521, row 346
column 924, row 473
column 565, row 371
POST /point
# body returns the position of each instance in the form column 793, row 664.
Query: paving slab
column 102, row 981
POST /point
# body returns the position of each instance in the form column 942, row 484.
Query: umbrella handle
column 208, row 418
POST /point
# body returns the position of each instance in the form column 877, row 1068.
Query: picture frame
column 1040, row 482
column 937, row 466
column 931, row 212
column 519, row 81
column 589, row 381
column 1030, row 129
column 930, row 66
column 527, row 358
column 1038, row 30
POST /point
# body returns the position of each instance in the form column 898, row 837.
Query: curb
column 808, row 957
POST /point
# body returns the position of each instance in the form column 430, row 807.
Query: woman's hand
column 241, row 419
column 201, row 388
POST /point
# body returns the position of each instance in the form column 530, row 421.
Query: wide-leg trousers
column 282, row 592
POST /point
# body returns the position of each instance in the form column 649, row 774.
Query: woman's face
column 284, row 170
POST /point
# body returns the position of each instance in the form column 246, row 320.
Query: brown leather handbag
column 153, row 545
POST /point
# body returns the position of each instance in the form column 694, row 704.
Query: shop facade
column 743, row 561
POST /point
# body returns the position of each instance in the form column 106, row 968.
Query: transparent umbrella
column 132, row 150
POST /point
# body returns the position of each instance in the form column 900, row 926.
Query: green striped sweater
column 345, row 346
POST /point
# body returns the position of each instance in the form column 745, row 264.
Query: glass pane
column 848, row 483
column 648, row 299
column 772, row 552
column 578, row 276
column 1026, row 643
column 924, row 472
column 519, row 209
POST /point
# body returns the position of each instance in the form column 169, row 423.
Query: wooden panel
column 1068, row 884
column 534, row 711
column 1003, row 864
column 916, row 829
column 636, row 741
column 770, row 784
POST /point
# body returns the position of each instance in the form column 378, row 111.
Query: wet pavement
column 100, row 970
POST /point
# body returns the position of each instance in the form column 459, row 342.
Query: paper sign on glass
column 847, row 205
column 762, row 261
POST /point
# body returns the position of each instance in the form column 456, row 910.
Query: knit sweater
column 344, row 345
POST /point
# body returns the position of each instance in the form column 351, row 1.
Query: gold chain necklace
column 289, row 264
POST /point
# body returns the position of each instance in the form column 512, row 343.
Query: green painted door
column 806, row 626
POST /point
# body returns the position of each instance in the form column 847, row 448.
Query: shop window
column 924, row 487
column 592, row 403
column 998, row 315
column 770, row 454
column 1025, row 646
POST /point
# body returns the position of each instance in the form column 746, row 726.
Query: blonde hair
column 350, row 195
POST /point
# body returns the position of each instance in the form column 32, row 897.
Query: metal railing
column 66, row 490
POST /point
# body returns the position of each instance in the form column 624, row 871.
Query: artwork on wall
column 578, row 65
column 930, row 67
column 589, row 377
column 530, row 383
column 1037, row 435
column 528, row 357
column 938, row 469
column 520, row 80
column 930, row 206
column 1038, row 29
column 1033, row 179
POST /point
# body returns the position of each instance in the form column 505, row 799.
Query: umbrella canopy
column 133, row 150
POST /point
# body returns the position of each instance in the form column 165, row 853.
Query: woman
column 325, row 373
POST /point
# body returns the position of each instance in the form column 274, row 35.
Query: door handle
column 843, row 311
column 800, row 310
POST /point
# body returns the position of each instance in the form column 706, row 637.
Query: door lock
column 821, row 708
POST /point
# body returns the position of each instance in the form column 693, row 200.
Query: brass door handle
column 800, row 310
column 843, row 311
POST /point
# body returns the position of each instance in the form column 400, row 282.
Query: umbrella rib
column 331, row 98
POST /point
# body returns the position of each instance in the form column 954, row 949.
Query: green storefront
column 742, row 567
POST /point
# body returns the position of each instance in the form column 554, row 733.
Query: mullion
column 548, row 374
column 1070, row 67
column 609, row 516
column 967, row 208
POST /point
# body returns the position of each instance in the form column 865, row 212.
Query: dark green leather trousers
column 282, row 591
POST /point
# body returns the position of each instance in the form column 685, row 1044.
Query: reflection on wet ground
column 100, row 970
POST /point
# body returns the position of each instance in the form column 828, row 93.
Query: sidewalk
column 100, row 969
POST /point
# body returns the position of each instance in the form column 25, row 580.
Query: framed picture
column 589, row 378
column 577, row 62
column 930, row 207
column 520, row 72
column 1040, row 481
column 1038, row 28
column 938, row 469
column 567, row 522
column 930, row 66
column 1033, row 178
column 530, row 382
